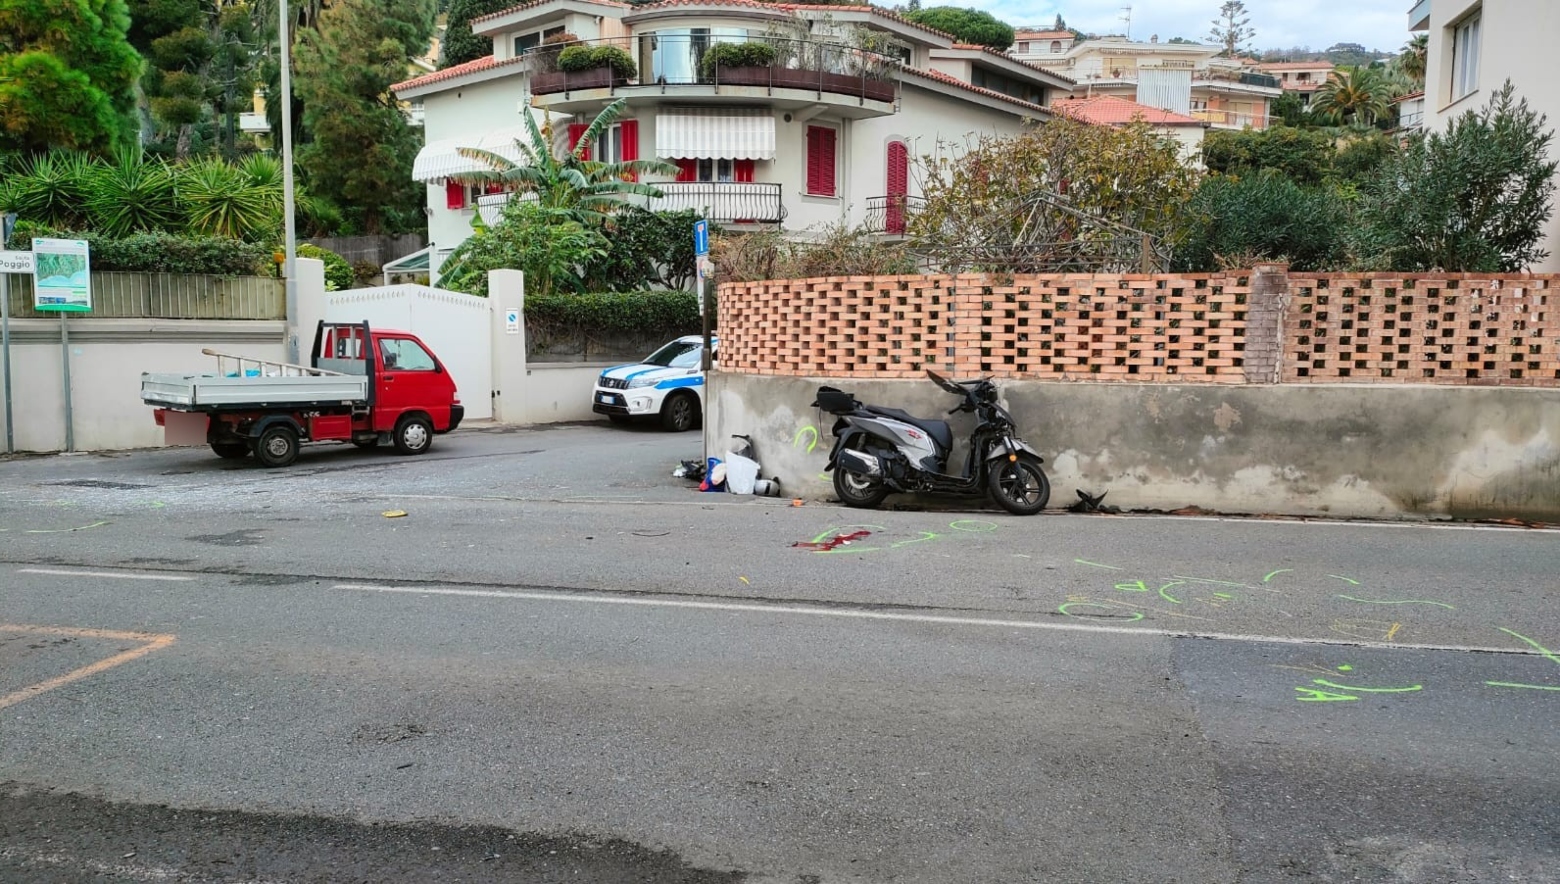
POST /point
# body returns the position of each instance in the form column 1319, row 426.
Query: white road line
column 859, row 614
column 118, row 575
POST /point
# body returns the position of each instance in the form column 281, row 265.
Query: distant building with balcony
column 1475, row 46
column 1029, row 43
column 1183, row 78
column 821, row 130
column 1411, row 111
column 1302, row 78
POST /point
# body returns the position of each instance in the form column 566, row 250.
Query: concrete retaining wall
column 1397, row 451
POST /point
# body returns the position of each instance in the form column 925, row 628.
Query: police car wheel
column 680, row 412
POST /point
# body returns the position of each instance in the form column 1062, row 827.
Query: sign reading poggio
column 16, row 262
column 62, row 276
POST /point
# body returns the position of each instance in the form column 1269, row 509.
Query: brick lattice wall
column 1263, row 326
column 1447, row 329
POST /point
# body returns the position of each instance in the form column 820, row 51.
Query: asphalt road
column 564, row 665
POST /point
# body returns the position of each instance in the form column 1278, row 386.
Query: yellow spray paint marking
column 151, row 642
column 394, row 514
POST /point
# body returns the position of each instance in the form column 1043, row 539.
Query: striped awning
column 442, row 159
column 715, row 134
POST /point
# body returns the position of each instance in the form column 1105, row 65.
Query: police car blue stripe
column 680, row 382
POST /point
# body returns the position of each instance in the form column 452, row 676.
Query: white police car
column 668, row 385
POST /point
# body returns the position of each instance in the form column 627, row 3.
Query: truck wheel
column 413, row 435
column 277, row 446
column 231, row 450
column 679, row 412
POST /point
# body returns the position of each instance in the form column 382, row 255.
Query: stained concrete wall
column 1397, row 451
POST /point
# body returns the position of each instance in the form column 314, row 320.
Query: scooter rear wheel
column 857, row 490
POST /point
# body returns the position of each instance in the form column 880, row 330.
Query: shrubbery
column 737, row 55
column 162, row 252
column 579, row 57
column 338, row 272
column 648, row 313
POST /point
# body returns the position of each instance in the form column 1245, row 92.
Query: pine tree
column 361, row 152
column 67, row 75
column 1232, row 29
column 460, row 45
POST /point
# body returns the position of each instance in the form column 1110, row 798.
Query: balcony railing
column 723, row 202
column 683, row 59
column 1231, row 120
column 891, row 214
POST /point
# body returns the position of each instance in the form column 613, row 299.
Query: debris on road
column 1089, row 503
column 394, row 514
column 834, row 542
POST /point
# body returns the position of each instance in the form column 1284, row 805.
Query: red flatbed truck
column 363, row 385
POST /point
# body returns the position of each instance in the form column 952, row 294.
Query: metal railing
column 129, row 295
column 723, row 202
column 1231, row 120
column 682, row 58
column 891, row 215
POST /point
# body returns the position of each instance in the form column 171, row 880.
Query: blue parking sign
column 701, row 237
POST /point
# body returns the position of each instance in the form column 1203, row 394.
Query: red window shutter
column 742, row 171
column 820, row 160
column 576, row 132
column 812, row 159
column 454, row 195
column 630, row 129
column 687, row 170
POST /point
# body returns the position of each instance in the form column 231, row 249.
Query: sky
column 1280, row 24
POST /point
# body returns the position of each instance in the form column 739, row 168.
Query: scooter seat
column 940, row 431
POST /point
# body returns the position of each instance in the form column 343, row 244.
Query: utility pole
column 290, row 264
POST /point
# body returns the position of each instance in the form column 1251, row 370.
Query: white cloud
column 1375, row 24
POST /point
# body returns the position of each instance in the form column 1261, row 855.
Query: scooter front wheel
column 1020, row 486
column 858, row 490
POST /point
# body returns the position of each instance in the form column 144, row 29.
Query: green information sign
column 62, row 280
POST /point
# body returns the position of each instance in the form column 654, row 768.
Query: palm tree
column 585, row 190
column 1412, row 61
column 1353, row 95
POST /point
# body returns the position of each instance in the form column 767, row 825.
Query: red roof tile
column 886, row 13
column 1111, row 110
column 519, row 6
column 1044, row 35
column 470, row 67
column 941, row 77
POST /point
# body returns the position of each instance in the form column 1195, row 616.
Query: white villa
column 820, row 127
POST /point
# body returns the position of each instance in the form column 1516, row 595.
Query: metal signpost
column 62, row 283
column 701, row 252
column 10, row 262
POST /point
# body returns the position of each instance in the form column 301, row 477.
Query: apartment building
column 1474, row 48
column 820, row 127
column 1183, row 78
column 1300, row 77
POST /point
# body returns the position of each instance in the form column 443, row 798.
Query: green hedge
column 162, row 252
column 338, row 273
column 579, row 57
column 668, row 313
column 737, row 55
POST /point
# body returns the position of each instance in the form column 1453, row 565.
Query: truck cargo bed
column 206, row 392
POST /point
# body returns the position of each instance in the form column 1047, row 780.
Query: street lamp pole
column 290, row 264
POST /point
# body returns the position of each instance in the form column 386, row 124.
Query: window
column 1465, row 57
column 609, row 145
column 821, row 160
column 715, row 170
column 678, row 354
column 1056, row 47
column 526, row 42
column 399, row 354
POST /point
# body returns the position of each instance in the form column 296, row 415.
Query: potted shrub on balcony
column 596, row 67
column 738, row 64
column 545, row 75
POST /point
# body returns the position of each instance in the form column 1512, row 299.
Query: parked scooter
column 879, row 451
